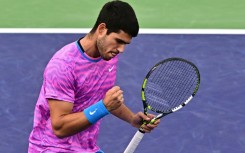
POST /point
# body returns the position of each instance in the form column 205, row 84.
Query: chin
column 107, row 58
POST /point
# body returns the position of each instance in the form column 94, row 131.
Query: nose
column 121, row 48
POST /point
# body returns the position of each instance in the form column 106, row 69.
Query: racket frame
column 140, row 133
column 148, row 107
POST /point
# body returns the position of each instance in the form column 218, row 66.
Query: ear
column 101, row 29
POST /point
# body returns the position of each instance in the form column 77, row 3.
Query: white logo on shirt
column 92, row 112
column 110, row 69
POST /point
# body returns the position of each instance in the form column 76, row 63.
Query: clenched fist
column 113, row 98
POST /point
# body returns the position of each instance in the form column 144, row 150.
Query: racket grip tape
column 134, row 142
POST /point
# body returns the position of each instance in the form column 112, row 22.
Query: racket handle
column 134, row 142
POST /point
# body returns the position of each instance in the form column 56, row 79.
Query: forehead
column 121, row 35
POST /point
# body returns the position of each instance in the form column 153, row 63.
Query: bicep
column 58, row 109
column 64, row 121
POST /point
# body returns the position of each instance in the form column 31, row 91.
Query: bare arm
column 136, row 120
column 64, row 122
column 124, row 113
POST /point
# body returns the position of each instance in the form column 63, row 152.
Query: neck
column 89, row 45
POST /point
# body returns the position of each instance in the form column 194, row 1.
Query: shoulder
column 67, row 53
column 63, row 58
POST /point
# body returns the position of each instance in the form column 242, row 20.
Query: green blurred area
column 192, row 14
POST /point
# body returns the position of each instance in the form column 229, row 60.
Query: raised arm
column 66, row 123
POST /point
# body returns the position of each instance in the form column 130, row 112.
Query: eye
column 119, row 41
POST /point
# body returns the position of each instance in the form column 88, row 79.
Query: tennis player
column 78, row 88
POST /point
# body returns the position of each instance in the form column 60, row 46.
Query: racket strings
column 170, row 84
column 189, row 84
column 179, row 81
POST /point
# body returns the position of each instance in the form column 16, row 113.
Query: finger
column 151, row 116
column 144, row 117
column 146, row 129
column 151, row 126
column 157, row 121
column 120, row 97
column 113, row 90
column 119, row 93
column 114, row 93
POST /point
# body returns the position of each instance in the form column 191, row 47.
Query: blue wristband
column 95, row 112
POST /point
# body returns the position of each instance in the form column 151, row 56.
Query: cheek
column 101, row 45
column 106, row 45
column 111, row 46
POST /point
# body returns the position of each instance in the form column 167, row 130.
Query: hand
column 113, row 98
column 140, row 117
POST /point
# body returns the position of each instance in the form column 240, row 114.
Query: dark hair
column 118, row 15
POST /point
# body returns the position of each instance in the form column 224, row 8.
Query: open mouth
column 113, row 54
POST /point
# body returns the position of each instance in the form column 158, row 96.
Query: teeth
column 113, row 54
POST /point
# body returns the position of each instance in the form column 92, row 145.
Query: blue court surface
column 214, row 122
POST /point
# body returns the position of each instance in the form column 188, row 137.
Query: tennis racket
column 168, row 87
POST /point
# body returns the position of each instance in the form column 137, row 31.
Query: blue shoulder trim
column 82, row 52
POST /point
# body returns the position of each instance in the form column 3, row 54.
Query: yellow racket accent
column 143, row 86
column 143, row 95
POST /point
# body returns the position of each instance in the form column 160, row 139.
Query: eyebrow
column 121, row 41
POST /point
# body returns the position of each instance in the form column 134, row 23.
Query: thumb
column 144, row 117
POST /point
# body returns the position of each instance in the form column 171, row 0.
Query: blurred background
column 214, row 122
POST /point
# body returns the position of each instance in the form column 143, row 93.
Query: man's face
column 111, row 45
